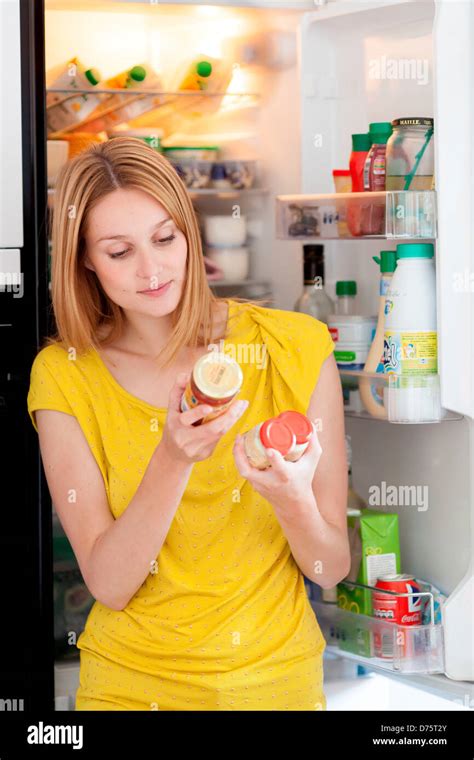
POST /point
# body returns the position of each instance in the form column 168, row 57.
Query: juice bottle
column 118, row 108
column 63, row 109
column 207, row 74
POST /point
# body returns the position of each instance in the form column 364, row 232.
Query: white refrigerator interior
column 327, row 74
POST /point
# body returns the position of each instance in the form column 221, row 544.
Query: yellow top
column 223, row 621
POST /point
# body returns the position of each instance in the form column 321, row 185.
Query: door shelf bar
column 390, row 215
column 413, row 399
column 376, row 641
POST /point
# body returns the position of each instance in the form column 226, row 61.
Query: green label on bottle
column 345, row 356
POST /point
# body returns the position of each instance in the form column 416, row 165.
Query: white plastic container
column 225, row 230
column 351, row 356
column 348, row 328
column 233, row 260
column 410, row 336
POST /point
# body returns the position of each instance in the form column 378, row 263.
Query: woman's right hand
column 190, row 443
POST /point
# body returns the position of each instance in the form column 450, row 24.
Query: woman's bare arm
column 316, row 527
column 114, row 555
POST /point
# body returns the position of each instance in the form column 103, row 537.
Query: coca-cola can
column 401, row 610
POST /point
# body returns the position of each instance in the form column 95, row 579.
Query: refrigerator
column 306, row 75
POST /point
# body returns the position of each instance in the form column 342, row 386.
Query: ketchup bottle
column 361, row 144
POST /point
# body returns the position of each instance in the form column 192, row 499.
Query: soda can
column 398, row 610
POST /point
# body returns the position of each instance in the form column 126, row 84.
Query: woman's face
column 133, row 245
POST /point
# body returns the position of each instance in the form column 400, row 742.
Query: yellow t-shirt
column 223, row 622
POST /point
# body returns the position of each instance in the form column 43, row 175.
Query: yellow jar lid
column 217, row 375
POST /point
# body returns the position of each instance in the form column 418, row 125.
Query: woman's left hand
column 286, row 485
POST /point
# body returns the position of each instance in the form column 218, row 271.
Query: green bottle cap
column 415, row 251
column 204, row 68
column 361, row 142
column 138, row 73
column 93, row 76
column 346, row 288
column 387, row 261
column 380, row 131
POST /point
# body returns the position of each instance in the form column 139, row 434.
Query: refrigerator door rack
column 387, row 645
column 407, row 400
column 391, row 215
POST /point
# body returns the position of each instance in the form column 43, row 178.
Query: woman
column 194, row 557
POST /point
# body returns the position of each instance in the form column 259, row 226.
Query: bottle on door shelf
column 346, row 291
column 371, row 392
column 355, row 504
column 361, row 144
column 374, row 167
column 314, row 300
column 410, row 337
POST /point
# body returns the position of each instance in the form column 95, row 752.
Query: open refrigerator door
column 376, row 62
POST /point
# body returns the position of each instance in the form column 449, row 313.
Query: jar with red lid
column 302, row 428
column 271, row 434
column 216, row 380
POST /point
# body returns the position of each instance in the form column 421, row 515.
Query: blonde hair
column 79, row 302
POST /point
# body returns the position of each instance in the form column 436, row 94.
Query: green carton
column 375, row 551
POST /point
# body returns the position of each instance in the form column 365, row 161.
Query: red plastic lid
column 341, row 172
column 274, row 434
column 299, row 424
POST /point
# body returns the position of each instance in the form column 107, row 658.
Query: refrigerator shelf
column 73, row 92
column 407, row 400
column 235, row 283
column 207, row 192
column 114, row 106
column 389, row 215
column 214, row 192
column 374, row 641
column 449, row 416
